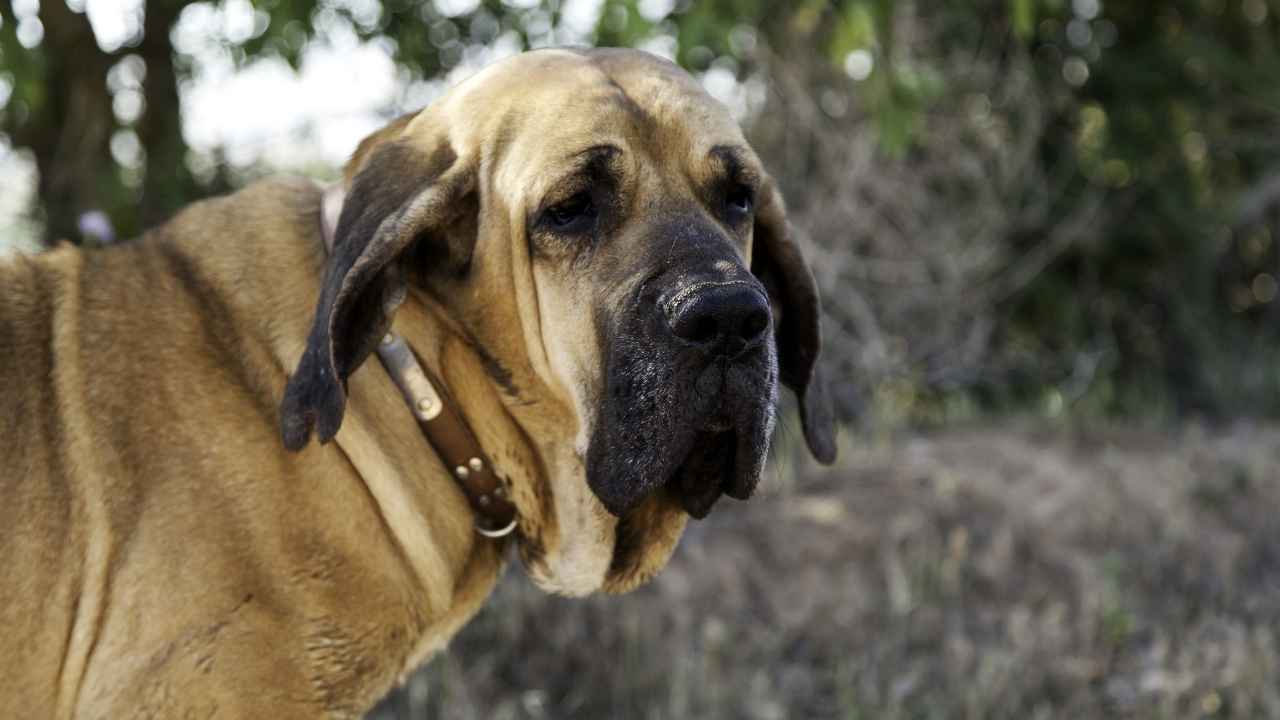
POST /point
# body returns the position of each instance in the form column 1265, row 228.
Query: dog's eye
column 739, row 200
column 573, row 214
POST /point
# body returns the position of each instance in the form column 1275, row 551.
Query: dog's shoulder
column 261, row 211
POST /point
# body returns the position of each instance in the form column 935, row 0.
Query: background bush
column 1012, row 204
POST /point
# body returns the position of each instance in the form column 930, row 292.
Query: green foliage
column 894, row 93
column 1168, row 124
column 1024, row 18
column 1168, row 110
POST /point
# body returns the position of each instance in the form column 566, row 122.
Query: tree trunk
column 70, row 133
column 168, row 184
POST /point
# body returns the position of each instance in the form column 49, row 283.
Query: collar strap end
column 452, row 440
column 441, row 423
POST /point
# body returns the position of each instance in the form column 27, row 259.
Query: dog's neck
column 330, row 211
column 444, row 426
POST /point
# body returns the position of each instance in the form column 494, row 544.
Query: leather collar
column 438, row 417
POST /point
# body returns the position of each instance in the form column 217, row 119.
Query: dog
column 216, row 505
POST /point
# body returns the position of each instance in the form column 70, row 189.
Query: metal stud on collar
column 418, row 391
column 426, row 407
column 462, row 472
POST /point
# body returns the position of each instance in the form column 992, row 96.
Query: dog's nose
column 725, row 319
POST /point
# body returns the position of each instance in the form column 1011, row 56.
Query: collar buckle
column 502, row 532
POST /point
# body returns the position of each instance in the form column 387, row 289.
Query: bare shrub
column 993, row 573
column 918, row 252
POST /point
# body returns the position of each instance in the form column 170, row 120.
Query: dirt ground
column 984, row 573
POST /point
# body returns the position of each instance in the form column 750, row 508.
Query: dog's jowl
column 226, row 495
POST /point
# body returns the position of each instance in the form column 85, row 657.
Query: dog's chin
column 701, row 478
column 693, row 468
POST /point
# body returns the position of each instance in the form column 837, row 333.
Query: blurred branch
column 70, row 32
column 1257, row 200
column 917, row 253
column 1025, row 269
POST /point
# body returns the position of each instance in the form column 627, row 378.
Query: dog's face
column 601, row 232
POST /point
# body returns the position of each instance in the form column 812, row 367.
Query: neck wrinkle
column 422, row 508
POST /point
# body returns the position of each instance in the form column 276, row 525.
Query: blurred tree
column 1015, row 202
column 1175, row 116
column 60, row 109
column 91, row 155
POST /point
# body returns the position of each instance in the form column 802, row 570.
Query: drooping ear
column 797, row 311
column 401, row 190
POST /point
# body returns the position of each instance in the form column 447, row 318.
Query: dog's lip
column 719, row 425
column 700, row 478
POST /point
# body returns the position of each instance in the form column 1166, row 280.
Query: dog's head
column 599, row 229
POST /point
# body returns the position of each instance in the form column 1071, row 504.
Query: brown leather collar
column 437, row 416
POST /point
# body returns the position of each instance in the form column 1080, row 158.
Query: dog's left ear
column 403, row 187
column 777, row 261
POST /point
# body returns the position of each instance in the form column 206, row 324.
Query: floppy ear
column 398, row 193
column 777, row 261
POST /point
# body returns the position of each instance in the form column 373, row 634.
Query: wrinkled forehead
column 542, row 111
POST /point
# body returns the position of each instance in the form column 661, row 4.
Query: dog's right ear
column 406, row 184
column 777, row 261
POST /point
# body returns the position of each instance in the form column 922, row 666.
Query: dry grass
column 987, row 573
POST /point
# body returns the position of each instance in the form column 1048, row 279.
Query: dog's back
column 40, row 590
column 122, row 372
column 90, row 341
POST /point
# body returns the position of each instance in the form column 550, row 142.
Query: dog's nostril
column 701, row 330
column 754, row 324
column 725, row 319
